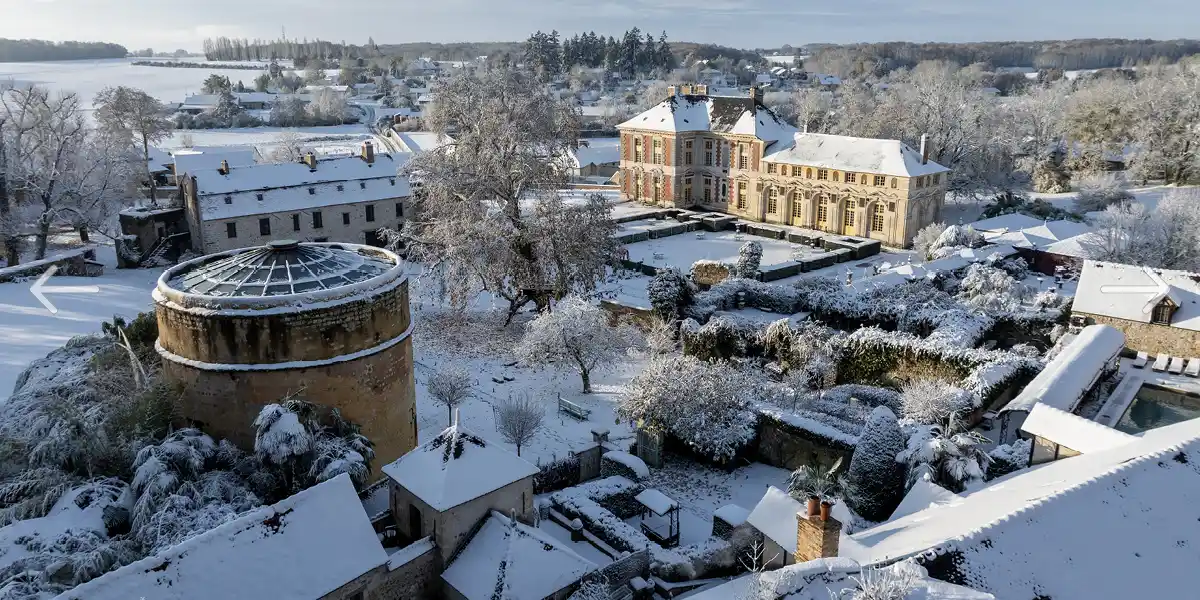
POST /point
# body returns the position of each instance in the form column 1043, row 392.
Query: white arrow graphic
column 39, row 289
column 1159, row 289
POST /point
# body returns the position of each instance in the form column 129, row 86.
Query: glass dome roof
column 282, row 268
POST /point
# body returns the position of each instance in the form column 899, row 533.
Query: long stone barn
column 328, row 323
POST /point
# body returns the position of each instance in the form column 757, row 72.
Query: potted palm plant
column 821, row 487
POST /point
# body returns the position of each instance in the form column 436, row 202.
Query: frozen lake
column 88, row 77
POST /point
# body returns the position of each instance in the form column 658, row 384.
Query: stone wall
column 417, row 579
column 788, row 448
column 451, row 528
column 334, row 227
column 1148, row 337
column 78, row 263
column 620, row 571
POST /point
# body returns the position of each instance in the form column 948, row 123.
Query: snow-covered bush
column 706, row 405
column 874, row 483
column 955, row 459
column 953, row 239
column 1098, row 191
column 749, row 260
column 809, row 353
column 591, row 590
column 933, row 401
column 1049, row 177
column 1009, row 458
column 669, row 292
column 710, row 272
column 991, row 288
column 556, row 475
column 718, row 339
column 623, row 464
column 661, row 338
column 300, row 449
column 925, row 238
column 575, row 335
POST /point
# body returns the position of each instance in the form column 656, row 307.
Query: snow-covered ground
column 88, row 77
column 680, row 251
column 338, row 140
column 967, row 210
column 700, row 490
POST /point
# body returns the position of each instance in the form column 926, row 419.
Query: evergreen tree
column 631, row 51
column 875, row 480
column 666, row 59
column 648, row 57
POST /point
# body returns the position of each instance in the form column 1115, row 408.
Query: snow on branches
column 749, row 259
column 934, row 401
column 706, row 405
column 575, row 335
column 449, row 386
column 953, row 458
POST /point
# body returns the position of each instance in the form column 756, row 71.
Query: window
column 399, row 210
column 658, row 187
column 637, row 186
column 312, row 191
column 687, row 192
column 822, row 174
column 345, row 218
column 891, row 207
column 937, row 178
column 687, row 145
column 797, row 208
column 770, row 168
column 707, row 189
column 773, row 200
column 231, row 230
column 296, row 222
column 1162, row 313
column 877, row 217
column 743, row 157
column 708, row 159
column 260, row 197
column 848, row 217
column 851, row 177
column 637, row 149
column 658, row 151
column 724, row 191
column 741, row 195
column 228, row 199
column 808, row 173
column 708, row 144
column 920, row 182
column 687, row 157
column 893, row 183
column 341, row 188
column 362, row 185
column 879, row 180
column 264, row 226
column 822, row 211
column 317, row 221
column 370, row 213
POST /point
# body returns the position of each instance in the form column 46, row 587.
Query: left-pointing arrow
column 39, row 289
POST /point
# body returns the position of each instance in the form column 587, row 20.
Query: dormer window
column 312, row 191
column 341, row 188
column 362, row 185
column 228, row 199
column 1163, row 311
column 260, row 197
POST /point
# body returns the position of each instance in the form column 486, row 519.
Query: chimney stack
column 672, row 91
column 368, row 152
column 754, row 93
column 817, row 534
column 310, row 159
column 924, row 148
column 224, row 169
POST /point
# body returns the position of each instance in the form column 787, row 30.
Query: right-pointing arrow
column 1158, row 290
column 39, row 289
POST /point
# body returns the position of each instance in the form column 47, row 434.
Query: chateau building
column 733, row 155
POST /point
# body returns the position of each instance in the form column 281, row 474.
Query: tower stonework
column 326, row 322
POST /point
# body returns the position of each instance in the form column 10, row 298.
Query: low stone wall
column 1151, row 338
column 640, row 315
column 788, row 448
column 619, row 572
column 80, row 262
column 412, row 577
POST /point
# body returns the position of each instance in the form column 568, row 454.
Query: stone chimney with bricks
column 924, row 148
column 368, row 153
column 817, row 533
column 224, row 168
column 754, row 93
column 310, row 159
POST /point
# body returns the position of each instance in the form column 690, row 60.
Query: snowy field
column 680, row 251
column 965, row 210
column 88, row 77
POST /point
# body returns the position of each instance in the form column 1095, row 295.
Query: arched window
column 877, row 217
column 658, row 187
column 808, row 173
column 773, row 200
column 894, row 183
column 797, row 207
column 848, row 215
column 822, row 210
column 837, row 176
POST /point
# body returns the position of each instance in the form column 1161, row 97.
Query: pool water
column 1156, row 406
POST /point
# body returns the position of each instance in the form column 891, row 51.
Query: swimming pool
column 1156, row 406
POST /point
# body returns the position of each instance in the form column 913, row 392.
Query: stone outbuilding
column 326, row 322
column 1156, row 309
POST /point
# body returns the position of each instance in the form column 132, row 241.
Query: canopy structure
column 660, row 517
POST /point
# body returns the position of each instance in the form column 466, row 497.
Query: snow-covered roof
column 1008, row 222
column 733, row 514
column 1132, row 304
column 827, row 578
column 845, row 153
column 1118, row 523
column 159, row 159
column 422, row 141
column 262, row 97
column 305, row 546
column 599, row 151
column 1018, row 239
column 922, row 495
column 508, row 559
column 280, row 175
column 457, row 466
column 200, row 101
column 1022, row 231
column 191, row 162
column 298, row 198
column 775, row 516
column 913, row 271
column 1071, row 430
column 656, row 501
column 720, row 114
column 1072, row 372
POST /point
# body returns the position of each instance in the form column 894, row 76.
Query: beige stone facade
column 450, row 528
column 729, row 173
column 355, row 223
column 1151, row 337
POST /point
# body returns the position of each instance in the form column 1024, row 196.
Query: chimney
column 310, row 159
column 924, row 148
column 817, row 534
column 754, row 93
column 672, row 91
column 368, row 152
column 224, row 168
column 700, row 90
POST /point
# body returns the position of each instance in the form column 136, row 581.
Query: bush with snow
column 749, row 260
column 925, row 238
column 1009, row 458
column 953, row 239
column 933, row 401
column 669, row 292
column 706, row 405
column 955, row 459
column 305, row 449
column 991, row 288
column 575, row 335
column 720, row 338
column 874, row 483
column 1098, row 191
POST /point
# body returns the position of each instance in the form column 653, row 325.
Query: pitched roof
column 1072, row 372
column 1008, row 222
column 826, row 578
column 865, row 155
column 305, row 546
column 1073, row 431
column 718, row 114
column 598, row 151
column 510, row 560
column 190, row 162
column 277, row 175
column 922, row 495
column 1094, row 296
column 775, row 516
column 457, row 466
column 1118, row 523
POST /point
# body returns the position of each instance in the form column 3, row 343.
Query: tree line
column 36, row 50
column 546, row 55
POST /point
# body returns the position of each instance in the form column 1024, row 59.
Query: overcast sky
column 169, row 24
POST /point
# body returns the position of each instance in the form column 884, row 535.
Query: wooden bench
column 573, row 409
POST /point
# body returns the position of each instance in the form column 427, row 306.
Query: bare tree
column 137, row 116
column 575, row 335
column 289, row 147
column 490, row 213
column 518, row 419
column 449, row 386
